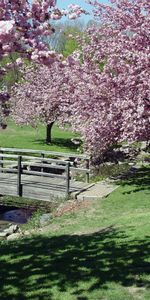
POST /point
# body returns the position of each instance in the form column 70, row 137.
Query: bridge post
column 19, row 185
column 87, row 167
column 1, row 164
column 42, row 155
column 67, row 179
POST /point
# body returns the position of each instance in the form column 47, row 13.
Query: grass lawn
column 29, row 138
column 101, row 251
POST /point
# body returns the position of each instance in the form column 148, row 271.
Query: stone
column 3, row 235
column 26, row 232
column 76, row 141
column 13, row 236
column 45, row 219
column 143, row 145
column 12, row 229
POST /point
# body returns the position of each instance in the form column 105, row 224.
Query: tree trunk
column 49, row 133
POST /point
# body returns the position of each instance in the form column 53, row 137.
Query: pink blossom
column 6, row 27
column 73, row 16
column 22, row 23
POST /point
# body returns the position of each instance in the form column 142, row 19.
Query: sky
column 82, row 3
column 64, row 3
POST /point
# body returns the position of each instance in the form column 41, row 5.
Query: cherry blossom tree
column 111, row 96
column 23, row 24
column 41, row 96
column 106, row 97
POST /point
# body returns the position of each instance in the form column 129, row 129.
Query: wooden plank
column 7, row 170
column 8, row 161
column 42, row 174
column 34, row 158
column 80, row 170
column 36, row 164
column 9, row 155
column 8, row 176
column 42, row 165
column 51, row 160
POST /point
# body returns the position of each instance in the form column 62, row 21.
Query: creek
column 14, row 215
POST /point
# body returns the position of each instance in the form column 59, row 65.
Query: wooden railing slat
column 42, row 174
column 50, row 166
column 80, row 170
column 45, row 159
column 9, row 155
column 8, row 161
column 8, row 170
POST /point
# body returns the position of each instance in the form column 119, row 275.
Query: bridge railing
column 38, row 166
column 44, row 153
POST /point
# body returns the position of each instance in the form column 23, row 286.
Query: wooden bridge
column 42, row 175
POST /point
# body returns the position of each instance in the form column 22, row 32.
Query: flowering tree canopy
column 41, row 96
column 106, row 97
column 23, row 26
column 112, row 92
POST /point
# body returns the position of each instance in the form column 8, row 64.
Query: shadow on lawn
column 36, row 265
column 61, row 142
column 138, row 179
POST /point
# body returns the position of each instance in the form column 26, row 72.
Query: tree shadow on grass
column 60, row 142
column 34, row 268
column 138, row 179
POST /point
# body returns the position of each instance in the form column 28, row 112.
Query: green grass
column 27, row 137
column 100, row 252
column 106, row 171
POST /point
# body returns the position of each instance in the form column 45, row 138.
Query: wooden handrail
column 71, row 155
column 51, row 160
